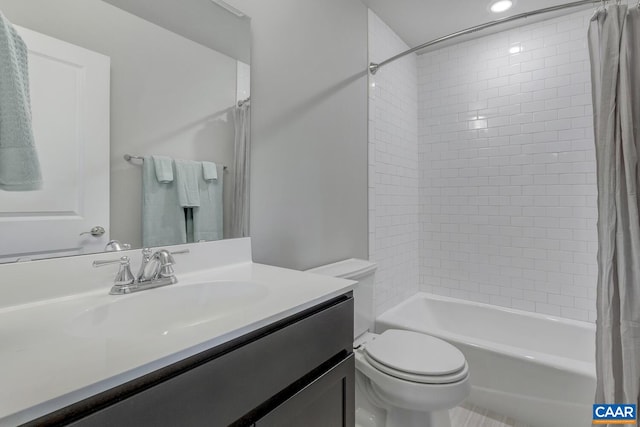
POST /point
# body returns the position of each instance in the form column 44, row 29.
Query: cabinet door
column 326, row 402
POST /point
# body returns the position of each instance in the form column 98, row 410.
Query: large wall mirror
column 140, row 117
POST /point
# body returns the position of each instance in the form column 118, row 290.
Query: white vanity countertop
column 57, row 352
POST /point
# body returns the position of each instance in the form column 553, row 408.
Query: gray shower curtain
column 614, row 46
column 242, row 169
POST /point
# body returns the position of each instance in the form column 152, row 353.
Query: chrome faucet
column 116, row 246
column 146, row 257
column 155, row 270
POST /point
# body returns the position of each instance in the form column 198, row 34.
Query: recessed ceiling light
column 501, row 6
column 515, row 49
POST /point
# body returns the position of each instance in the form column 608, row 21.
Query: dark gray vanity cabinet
column 296, row 372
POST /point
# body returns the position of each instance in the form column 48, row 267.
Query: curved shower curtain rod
column 374, row 67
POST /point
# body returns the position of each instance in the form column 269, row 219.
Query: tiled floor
column 473, row 416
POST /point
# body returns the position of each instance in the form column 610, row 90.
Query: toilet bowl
column 414, row 377
column 403, row 378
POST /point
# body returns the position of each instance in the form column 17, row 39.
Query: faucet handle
column 180, row 252
column 103, row 262
column 164, row 257
column 124, row 277
column 164, row 264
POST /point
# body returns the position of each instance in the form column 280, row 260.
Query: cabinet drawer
column 326, row 402
column 227, row 383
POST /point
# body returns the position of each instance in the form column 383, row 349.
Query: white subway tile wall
column 507, row 169
column 394, row 228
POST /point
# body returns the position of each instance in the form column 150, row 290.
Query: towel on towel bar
column 164, row 168
column 163, row 221
column 188, row 175
column 209, row 171
column 208, row 219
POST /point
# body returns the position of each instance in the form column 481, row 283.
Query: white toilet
column 403, row 378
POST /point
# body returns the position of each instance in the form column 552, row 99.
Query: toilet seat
column 422, row 379
column 416, row 357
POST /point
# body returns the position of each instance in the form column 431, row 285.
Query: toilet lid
column 416, row 357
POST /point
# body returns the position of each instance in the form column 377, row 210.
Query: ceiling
column 418, row 21
column 203, row 21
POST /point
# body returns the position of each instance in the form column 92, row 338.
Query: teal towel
column 208, row 218
column 188, row 173
column 164, row 168
column 19, row 164
column 163, row 221
column 209, row 171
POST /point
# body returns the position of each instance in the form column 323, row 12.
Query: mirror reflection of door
column 70, row 107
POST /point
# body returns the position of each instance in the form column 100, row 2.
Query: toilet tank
column 363, row 272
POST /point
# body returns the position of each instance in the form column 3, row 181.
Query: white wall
column 169, row 95
column 393, row 168
column 309, row 130
column 508, row 187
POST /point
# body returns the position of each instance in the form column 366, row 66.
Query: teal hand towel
column 164, row 168
column 209, row 171
column 188, row 174
column 208, row 221
column 163, row 221
column 19, row 164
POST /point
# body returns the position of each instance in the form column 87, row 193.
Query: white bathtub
column 534, row 368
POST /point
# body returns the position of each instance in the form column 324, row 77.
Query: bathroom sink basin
column 165, row 310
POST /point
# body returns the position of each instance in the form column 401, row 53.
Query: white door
column 70, row 105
